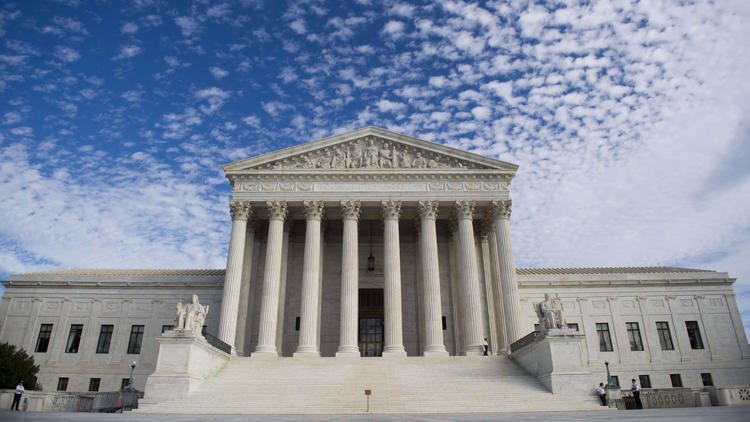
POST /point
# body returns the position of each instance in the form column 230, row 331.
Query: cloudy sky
column 630, row 121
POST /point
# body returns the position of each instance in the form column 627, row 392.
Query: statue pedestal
column 558, row 360
column 183, row 362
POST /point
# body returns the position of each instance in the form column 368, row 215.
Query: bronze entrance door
column 371, row 322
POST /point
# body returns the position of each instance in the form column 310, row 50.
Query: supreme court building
column 377, row 244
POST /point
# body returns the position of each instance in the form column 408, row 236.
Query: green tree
column 16, row 365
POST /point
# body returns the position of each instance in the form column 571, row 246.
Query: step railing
column 524, row 341
column 215, row 342
column 108, row 401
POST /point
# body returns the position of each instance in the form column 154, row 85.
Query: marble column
column 497, row 291
column 431, row 300
column 269, row 308
column 508, row 279
column 394, row 343
column 230, row 301
column 469, row 280
column 309, row 315
column 348, row 342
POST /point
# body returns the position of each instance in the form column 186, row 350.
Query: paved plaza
column 724, row 414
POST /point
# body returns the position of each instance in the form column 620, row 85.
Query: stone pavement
column 695, row 414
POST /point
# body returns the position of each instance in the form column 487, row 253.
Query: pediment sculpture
column 190, row 317
column 369, row 152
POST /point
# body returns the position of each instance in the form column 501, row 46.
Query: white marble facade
column 304, row 221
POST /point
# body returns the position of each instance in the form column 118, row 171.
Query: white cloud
column 251, row 120
column 219, row 11
column 188, row 26
column 388, row 106
column 216, row 97
column 299, row 26
column 66, row 54
column 129, row 28
column 481, row 112
column 11, row 118
column 395, row 29
column 128, row 52
column 218, row 73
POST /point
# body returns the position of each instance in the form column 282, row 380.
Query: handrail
column 524, row 341
column 215, row 342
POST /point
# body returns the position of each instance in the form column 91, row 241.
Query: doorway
column 371, row 322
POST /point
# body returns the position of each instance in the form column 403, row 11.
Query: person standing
column 636, row 394
column 486, row 347
column 601, row 393
column 17, row 395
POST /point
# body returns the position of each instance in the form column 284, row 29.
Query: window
column 94, row 384
column 634, row 336
column 536, row 328
column 42, row 342
column 645, row 381
column 125, row 382
column 665, row 338
column 136, row 339
column 605, row 341
column 676, row 380
column 573, row 326
column 694, row 334
column 62, row 384
column 445, row 323
column 105, row 338
column 707, row 380
column 616, row 381
column 74, row 338
column 165, row 328
column 296, row 324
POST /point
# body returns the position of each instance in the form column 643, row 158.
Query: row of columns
column 504, row 285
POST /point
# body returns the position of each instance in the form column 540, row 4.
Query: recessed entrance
column 371, row 322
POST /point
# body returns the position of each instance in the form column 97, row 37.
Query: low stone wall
column 730, row 396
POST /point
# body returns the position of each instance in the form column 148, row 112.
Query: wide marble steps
column 398, row 385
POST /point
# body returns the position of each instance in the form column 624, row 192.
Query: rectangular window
column 105, row 338
column 42, row 342
column 605, row 341
column 74, row 338
column 665, row 338
column 445, row 323
column 296, row 324
column 165, row 328
column 634, row 336
column 694, row 334
column 645, row 381
column 125, row 382
column 616, row 381
column 136, row 339
column 536, row 328
column 707, row 380
column 62, row 384
column 676, row 380
column 573, row 326
column 94, row 384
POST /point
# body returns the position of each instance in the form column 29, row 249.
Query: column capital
column 391, row 210
column 486, row 226
column 350, row 210
column 240, row 210
column 314, row 210
column 465, row 209
column 501, row 209
column 428, row 209
column 277, row 210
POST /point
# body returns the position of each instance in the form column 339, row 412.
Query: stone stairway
column 398, row 385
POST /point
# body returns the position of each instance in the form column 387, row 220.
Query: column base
column 348, row 352
column 435, row 353
column 265, row 351
column 474, row 350
column 306, row 354
column 394, row 351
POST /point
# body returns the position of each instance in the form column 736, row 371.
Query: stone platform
column 397, row 385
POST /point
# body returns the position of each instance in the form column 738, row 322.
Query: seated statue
column 550, row 313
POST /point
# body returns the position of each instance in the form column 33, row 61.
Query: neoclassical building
column 376, row 244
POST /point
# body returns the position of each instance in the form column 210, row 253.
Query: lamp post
column 609, row 376
column 130, row 386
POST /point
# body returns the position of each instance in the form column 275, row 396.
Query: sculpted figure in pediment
column 419, row 161
column 372, row 153
column 385, row 157
column 339, row 159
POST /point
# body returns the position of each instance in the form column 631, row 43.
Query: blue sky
column 630, row 121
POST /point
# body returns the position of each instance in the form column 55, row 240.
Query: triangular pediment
column 369, row 148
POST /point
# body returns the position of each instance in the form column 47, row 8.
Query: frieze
column 373, row 183
column 370, row 152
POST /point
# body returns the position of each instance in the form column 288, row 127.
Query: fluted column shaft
column 431, row 300
column 348, row 345
column 497, row 293
column 393, row 344
column 309, row 315
column 469, row 280
column 508, row 279
column 269, row 308
column 230, row 300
